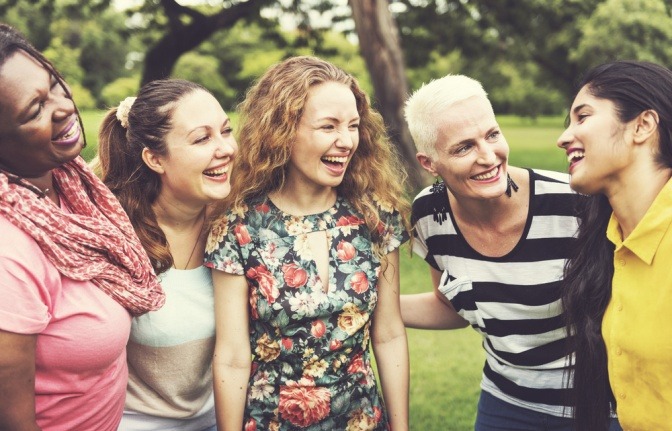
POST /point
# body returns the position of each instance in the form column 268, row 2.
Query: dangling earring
column 440, row 211
column 510, row 185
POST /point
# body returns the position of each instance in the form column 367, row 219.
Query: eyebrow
column 578, row 108
column 334, row 119
column 207, row 127
column 471, row 141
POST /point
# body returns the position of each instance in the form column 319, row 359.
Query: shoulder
column 16, row 244
column 543, row 176
column 27, row 283
column 552, row 185
column 552, row 196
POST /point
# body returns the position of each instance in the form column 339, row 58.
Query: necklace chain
column 198, row 238
column 15, row 179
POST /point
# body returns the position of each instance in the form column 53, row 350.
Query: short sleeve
column 224, row 245
column 393, row 230
column 24, row 281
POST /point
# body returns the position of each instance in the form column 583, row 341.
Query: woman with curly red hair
column 305, row 262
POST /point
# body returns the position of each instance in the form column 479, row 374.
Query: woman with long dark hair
column 167, row 156
column 617, row 292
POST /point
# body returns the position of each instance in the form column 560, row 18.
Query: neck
column 175, row 214
column 298, row 201
column 632, row 194
column 43, row 186
column 484, row 211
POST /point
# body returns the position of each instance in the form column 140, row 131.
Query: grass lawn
column 445, row 365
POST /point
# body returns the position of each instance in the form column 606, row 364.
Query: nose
column 486, row 155
column 565, row 138
column 63, row 102
column 227, row 147
column 345, row 139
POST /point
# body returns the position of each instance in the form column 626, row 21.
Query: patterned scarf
column 95, row 242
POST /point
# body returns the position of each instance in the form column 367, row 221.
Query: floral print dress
column 311, row 368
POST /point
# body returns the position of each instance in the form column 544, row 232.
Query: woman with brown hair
column 167, row 156
column 306, row 264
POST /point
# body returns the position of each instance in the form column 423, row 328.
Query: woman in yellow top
column 618, row 288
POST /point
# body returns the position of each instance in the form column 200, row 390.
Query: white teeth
column 217, row 172
column 334, row 159
column 575, row 155
column 70, row 133
column 487, row 175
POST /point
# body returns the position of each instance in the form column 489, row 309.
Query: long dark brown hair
column 633, row 87
column 122, row 169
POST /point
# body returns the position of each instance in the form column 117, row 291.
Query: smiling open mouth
column 215, row 173
column 575, row 156
column 492, row 173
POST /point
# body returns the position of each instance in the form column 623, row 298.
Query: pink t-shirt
column 81, row 372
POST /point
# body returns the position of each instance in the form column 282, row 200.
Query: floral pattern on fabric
column 311, row 368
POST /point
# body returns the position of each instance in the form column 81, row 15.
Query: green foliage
column 104, row 50
column 437, row 65
column 65, row 59
column 626, row 30
column 118, row 90
column 32, row 18
column 204, row 70
column 522, row 95
column 82, row 97
column 527, row 53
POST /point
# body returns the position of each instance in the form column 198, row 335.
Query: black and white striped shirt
column 513, row 300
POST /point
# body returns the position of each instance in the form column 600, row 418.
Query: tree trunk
column 380, row 47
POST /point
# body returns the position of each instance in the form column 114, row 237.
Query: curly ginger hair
column 269, row 118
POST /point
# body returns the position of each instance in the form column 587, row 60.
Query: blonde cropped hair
column 269, row 119
column 431, row 101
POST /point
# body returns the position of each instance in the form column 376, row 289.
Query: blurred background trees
column 527, row 53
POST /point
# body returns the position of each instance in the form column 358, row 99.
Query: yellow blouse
column 637, row 325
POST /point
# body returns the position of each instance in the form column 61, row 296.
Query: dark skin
column 39, row 131
column 35, row 116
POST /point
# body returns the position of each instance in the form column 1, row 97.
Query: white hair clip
column 123, row 110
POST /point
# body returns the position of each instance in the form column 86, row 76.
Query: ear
column 426, row 163
column 646, row 125
column 152, row 161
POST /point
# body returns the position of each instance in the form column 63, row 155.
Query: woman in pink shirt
column 72, row 271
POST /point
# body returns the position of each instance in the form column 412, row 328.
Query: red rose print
column 377, row 414
column 359, row 282
column 335, row 345
column 349, row 221
column 266, row 282
column 242, row 235
column 356, row 365
column 345, row 251
column 263, row 208
column 251, row 425
column 295, row 276
column 304, row 405
column 287, row 344
column 317, row 328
